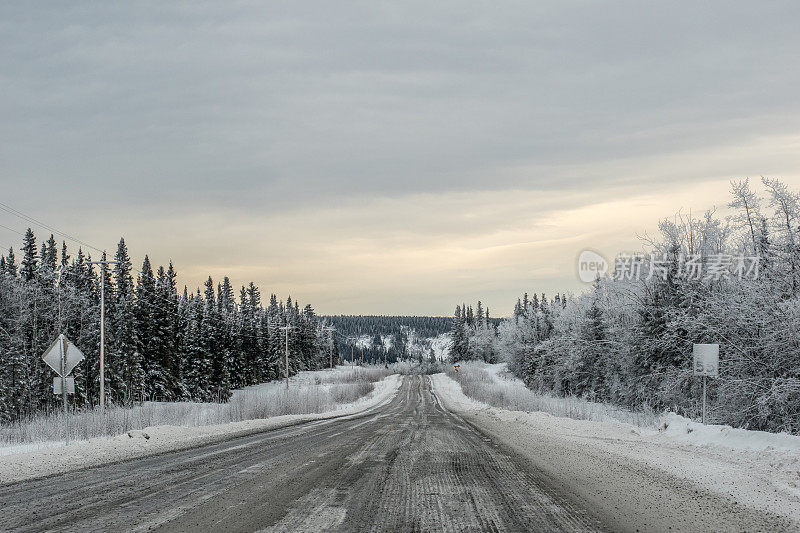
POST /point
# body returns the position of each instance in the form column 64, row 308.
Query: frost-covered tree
column 630, row 342
column 125, row 361
column 159, row 344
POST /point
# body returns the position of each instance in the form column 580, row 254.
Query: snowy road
column 410, row 465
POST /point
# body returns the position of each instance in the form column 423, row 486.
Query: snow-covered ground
column 31, row 460
column 441, row 346
column 747, row 469
column 418, row 345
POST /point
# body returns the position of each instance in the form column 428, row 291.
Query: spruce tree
column 11, row 265
column 50, row 255
column 64, row 255
column 214, row 347
column 30, row 261
column 274, row 338
column 197, row 365
column 459, row 346
column 147, row 342
column 127, row 375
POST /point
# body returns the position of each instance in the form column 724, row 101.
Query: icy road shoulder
column 162, row 439
column 654, row 479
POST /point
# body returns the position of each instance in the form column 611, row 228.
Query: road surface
column 409, row 465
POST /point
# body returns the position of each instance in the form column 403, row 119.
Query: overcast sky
column 392, row 158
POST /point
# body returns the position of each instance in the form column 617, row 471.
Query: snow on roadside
column 160, row 439
column 674, row 427
column 758, row 469
column 29, row 447
column 670, row 426
column 493, row 384
column 679, row 429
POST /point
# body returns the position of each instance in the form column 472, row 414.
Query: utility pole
column 286, row 329
column 332, row 330
column 102, row 329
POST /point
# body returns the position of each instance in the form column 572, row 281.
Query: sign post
column 63, row 356
column 706, row 364
column 62, row 344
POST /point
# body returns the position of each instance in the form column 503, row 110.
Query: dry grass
column 502, row 390
column 310, row 392
column 411, row 367
column 363, row 374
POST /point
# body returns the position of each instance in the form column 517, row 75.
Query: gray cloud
column 247, row 105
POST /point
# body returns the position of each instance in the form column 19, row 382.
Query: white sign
column 54, row 356
column 57, row 390
column 706, row 360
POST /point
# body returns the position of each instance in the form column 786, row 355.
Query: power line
column 29, row 218
column 12, row 230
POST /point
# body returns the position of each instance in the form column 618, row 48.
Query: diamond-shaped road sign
column 54, row 356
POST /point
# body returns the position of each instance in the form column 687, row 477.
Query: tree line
column 378, row 338
column 160, row 344
column 357, row 325
column 628, row 340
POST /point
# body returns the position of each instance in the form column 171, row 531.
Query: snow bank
column 29, row 447
column 161, row 439
column 680, row 429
